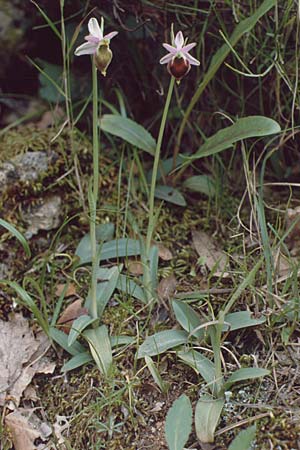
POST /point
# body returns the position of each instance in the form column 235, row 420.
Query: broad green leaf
column 128, row 130
column 244, row 440
column 200, row 364
column 117, row 248
column 219, row 57
column 247, row 373
column 241, row 319
column 77, row 361
column 100, row 347
column 156, row 375
column 131, row 288
column 170, row 194
column 247, row 127
column 105, row 289
column 78, row 326
column 9, row 227
column 188, row 318
column 201, row 183
column 161, row 342
column 179, row 423
column 61, row 339
column 115, row 341
column 207, row 416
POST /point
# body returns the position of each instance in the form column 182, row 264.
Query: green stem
column 152, row 218
column 155, row 167
column 94, row 195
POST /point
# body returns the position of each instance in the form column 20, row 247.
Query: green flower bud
column 103, row 57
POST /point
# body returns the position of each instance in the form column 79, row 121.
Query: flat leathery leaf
column 108, row 290
column 188, row 318
column 100, row 347
column 247, row 373
column 161, row 342
column 117, row 248
column 130, row 287
column 115, row 341
column 207, row 416
column 128, row 130
column 178, row 424
column 61, row 339
column 78, row 326
column 201, row 183
column 241, row 319
column 246, row 127
column 201, row 364
column 77, row 361
column 244, row 440
column 170, row 194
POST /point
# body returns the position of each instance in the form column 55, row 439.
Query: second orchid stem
column 152, row 217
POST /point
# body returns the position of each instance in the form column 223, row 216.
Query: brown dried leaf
column 293, row 239
column 135, row 268
column 71, row 313
column 71, row 290
column 163, row 252
column 206, row 248
column 17, row 347
column 166, row 288
column 50, row 117
column 25, row 427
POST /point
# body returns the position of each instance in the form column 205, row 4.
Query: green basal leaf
column 153, row 256
column 244, row 440
column 200, row 364
column 241, row 319
column 170, row 194
column 201, row 183
column 207, row 416
column 156, row 375
column 61, row 339
column 77, row 361
column 100, row 347
column 115, row 341
column 105, row 289
column 129, row 131
column 188, row 318
column 131, row 288
column 161, row 342
column 248, row 373
column 78, row 326
column 247, row 127
column 179, row 423
column 117, row 248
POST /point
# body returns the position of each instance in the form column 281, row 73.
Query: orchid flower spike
column 97, row 45
column 178, row 59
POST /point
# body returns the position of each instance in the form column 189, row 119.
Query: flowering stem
column 94, row 195
column 151, row 221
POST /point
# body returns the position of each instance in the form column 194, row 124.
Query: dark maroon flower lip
column 179, row 51
column 178, row 68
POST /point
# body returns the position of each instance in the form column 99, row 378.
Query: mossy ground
column 127, row 411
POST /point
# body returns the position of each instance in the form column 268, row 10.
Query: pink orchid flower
column 94, row 39
column 178, row 59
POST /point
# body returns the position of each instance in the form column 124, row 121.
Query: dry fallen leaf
column 21, row 357
column 293, row 239
column 71, row 290
column 25, row 427
column 71, row 313
column 166, row 288
column 135, row 268
column 212, row 256
column 163, row 252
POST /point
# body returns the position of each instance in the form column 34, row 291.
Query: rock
column 26, row 167
column 44, row 216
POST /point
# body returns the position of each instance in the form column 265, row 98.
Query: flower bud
column 103, row 57
column 178, row 67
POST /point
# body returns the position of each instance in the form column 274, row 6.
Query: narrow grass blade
column 9, row 227
column 179, row 423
